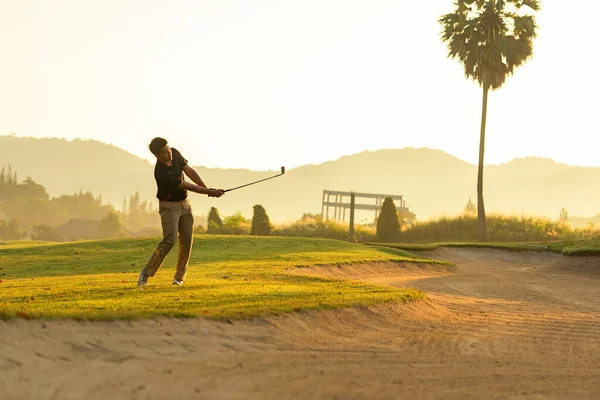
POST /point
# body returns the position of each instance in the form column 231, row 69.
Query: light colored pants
column 177, row 220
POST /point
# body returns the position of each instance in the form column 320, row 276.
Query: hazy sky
column 262, row 83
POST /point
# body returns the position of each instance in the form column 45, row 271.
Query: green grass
column 557, row 246
column 228, row 277
column 590, row 247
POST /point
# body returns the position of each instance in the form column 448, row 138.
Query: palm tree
column 490, row 38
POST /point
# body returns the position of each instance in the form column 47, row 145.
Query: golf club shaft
column 252, row 183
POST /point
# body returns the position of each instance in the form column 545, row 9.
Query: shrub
column 110, row 227
column 260, row 222
column 235, row 224
column 388, row 225
column 313, row 225
column 214, row 221
column 46, row 233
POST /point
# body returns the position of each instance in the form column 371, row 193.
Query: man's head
column 160, row 148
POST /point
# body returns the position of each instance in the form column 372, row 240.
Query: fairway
column 228, row 277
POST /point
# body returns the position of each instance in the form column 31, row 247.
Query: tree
column 388, row 226
column 236, row 224
column 490, row 38
column 83, row 205
column 9, row 175
column 110, row 226
column 260, row 222
column 45, row 233
column 470, row 207
column 138, row 212
column 29, row 204
column 214, row 220
column 563, row 219
column 9, row 230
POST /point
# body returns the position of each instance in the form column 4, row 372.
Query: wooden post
column 335, row 208
column 323, row 205
column 327, row 212
column 352, row 217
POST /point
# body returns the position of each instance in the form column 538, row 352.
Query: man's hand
column 216, row 192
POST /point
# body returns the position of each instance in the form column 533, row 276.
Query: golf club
column 252, row 183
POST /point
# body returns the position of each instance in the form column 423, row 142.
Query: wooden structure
column 342, row 201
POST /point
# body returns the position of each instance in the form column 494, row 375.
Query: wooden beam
column 369, row 207
column 366, row 195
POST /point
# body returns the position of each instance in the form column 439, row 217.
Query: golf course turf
column 228, row 277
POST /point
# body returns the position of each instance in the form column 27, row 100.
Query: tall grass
column 501, row 228
column 458, row 228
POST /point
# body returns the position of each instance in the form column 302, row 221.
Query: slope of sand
column 502, row 325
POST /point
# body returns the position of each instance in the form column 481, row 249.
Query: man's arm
column 200, row 189
column 193, row 175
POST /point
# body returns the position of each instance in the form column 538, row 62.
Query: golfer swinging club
column 174, row 208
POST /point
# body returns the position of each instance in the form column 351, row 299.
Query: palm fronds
column 490, row 37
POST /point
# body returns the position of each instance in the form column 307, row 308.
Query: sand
column 501, row 325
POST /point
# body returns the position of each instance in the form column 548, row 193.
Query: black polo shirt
column 168, row 177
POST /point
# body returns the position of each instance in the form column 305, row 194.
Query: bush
column 46, row 234
column 388, row 225
column 110, row 227
column 260, row 222
column 214, row 221
column 312, row 225
column 233, row 225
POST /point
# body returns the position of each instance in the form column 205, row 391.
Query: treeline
column 28, row 212
column 584, row 222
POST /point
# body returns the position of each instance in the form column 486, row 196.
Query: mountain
column 433, row 182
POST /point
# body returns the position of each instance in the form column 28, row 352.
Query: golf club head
column 282, row 170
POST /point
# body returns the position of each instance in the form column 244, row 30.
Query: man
column 174, row 208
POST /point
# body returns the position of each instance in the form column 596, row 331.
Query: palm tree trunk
column 481, row 225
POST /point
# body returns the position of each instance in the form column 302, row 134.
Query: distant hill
column 433, row 182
